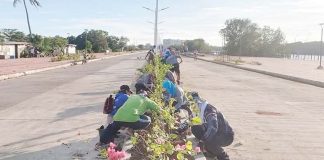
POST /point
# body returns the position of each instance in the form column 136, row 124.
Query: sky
column 185, row 19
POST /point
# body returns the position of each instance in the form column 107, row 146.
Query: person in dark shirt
column 214, row 133
column 150, row 56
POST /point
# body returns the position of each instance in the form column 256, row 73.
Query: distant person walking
column 150, row 56
column 173, row 59
column 195, row 55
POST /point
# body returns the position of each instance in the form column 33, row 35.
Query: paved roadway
column 273, row 119
column 54, row 114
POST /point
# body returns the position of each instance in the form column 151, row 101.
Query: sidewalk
column 11, row 68
column 296, row 70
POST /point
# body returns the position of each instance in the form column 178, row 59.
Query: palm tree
column 34, row 3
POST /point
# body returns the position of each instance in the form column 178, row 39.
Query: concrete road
column 273, row 119
column 54, row 114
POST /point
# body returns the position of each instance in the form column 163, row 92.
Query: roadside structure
column 70, row 49
column 12, row 50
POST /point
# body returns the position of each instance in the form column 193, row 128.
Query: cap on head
column 125, row 88
column 140, row 87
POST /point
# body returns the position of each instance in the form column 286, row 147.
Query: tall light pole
column 156, row 22
column 321, row 47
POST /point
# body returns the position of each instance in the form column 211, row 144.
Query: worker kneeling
column 130, row 115
column 214, row 133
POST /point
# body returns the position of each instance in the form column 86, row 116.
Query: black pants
column 175, row 68
column 111, row 130
column 214, row 148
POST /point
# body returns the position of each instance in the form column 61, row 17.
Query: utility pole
column 321, row 47
column 240, row 47
column 156, row 22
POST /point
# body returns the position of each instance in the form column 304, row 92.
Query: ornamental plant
column 160, row 141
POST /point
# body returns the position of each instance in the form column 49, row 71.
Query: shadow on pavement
column 81, row 150
column 92, row 93
column 77, row 111
column 45, row 136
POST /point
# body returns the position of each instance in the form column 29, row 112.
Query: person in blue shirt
column 169, row 86
column 120, row 98
column 171, row 90
column 166, row 55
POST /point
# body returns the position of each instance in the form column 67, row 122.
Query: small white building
column 70, row 49
column 12, row 50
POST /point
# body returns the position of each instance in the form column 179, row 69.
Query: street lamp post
column 156, row 22
column 321, row 47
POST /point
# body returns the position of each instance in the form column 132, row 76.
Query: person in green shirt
column 131, row 115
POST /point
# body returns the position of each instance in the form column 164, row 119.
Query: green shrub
column 159, row 141
column 65, row 57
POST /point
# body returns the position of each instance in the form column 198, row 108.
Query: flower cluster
column 112, row 154
column 183, row 147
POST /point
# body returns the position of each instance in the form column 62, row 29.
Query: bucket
column 101, row 130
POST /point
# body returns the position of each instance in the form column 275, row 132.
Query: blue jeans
column 111, row 130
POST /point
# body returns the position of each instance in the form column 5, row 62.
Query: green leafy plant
column 65, row 57
column 159, row 141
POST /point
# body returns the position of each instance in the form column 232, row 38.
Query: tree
column 71, row 40
column 59, row 43
column 140, row 46
column 2, row 38
column 130, row 48
column 271, row 42
column 148, row 46
column 88, row 47
column 180, row 48
column 197, row 44
column 98, row 39
column 34, row 3
column 13, row 35
column 80, row 41
column 244, row 38
column 122, row 43
column 241, row 36
column 38, row 41
column 113, row 43
column 52, row 44
column 117, row 44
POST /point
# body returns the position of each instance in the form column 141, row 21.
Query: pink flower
column 111, row 150
column 113, row 154
column 178, row 148
column 113, row 157
column 121, row 154
column 197, row 150
column 183, row 147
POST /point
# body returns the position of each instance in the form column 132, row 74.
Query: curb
column 277, row 75
column 25, row 73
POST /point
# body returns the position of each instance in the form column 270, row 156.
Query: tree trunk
column 30, row 33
